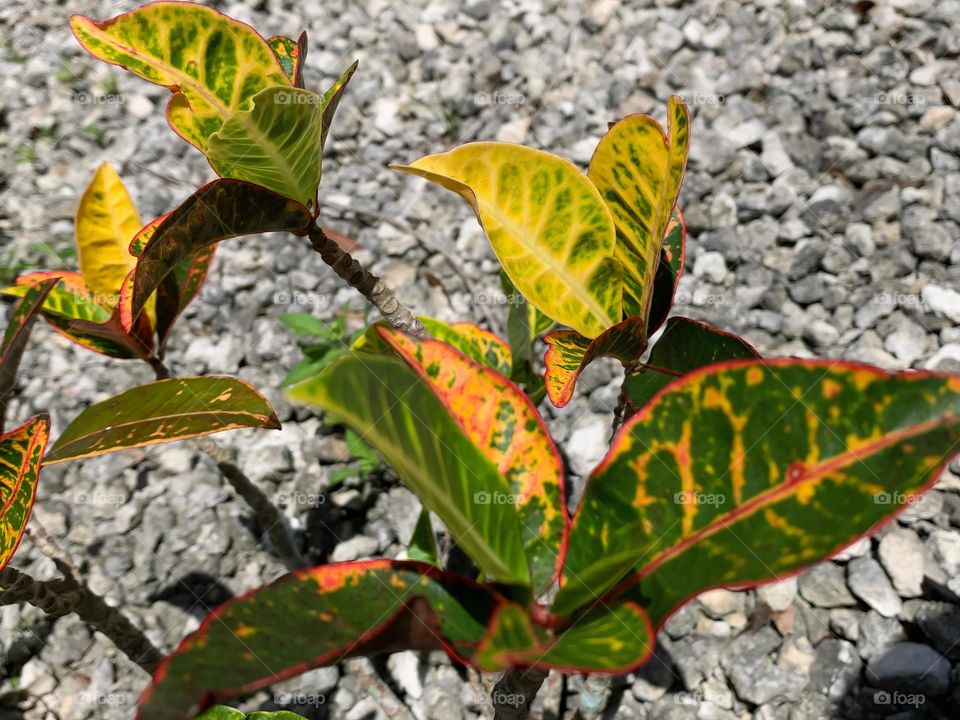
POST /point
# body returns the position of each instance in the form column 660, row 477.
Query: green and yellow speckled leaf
column 568, row 353
column 751, row 470
column 547, row 224
column 685, row 345
column 15, row 340
column 274, row 144
column 291, row 54
column 219, row 210
column 610, row 639
column 214, row 65
column 480, row 345
column 106, row 222
column 317, row 617
column 21, row 450
column 502, row 422
column 638, row 171
column 668, row 272
column 163, row 411
column 396, row 412
column 69, row 298
column 222, row 712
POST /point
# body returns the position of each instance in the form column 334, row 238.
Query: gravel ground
column 823, row 202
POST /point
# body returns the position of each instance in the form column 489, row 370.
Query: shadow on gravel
column 196, row 592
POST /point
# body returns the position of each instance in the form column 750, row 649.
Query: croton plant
column 726, row 470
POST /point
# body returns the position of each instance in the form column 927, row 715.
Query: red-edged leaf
column 318, row 617
column 163, row 411
column 292, row 54
column 502, row 422
column 480, row 345
column 669, row 270
column 568, row 353
column 20, row 452
column 219, row 210
column 746, row 471
column 610, row 639
column 15, row 340
column 685, row 345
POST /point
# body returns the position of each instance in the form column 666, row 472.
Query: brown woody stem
column 365, row 282
column 69, row 594
column 515, row 692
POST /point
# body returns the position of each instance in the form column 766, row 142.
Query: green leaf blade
column 163, row 411
column 21, row 451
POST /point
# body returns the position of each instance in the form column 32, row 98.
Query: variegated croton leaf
column 547, row 224
column 318, row 617
column 162, row 411
column 745, row 471
column 21, row 450
column 84, row 306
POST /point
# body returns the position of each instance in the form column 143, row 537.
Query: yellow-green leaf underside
column 750, row 470
column 638, row 172
column 21, row 450
column 547, row 224
column 163, row 411
column 213, row 64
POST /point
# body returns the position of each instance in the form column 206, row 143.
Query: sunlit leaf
column 503, row 423
column 20, row 452
column 480, row 345
column 291, row 54
column 397, row 413
column 214, row 65
column 746, row 471
column 162, row 411
column 547, row 224
column 318, row 617
column 568, row 353
column 638, row 171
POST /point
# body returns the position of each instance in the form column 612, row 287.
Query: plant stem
column 365, row 282
column 267, row 514
column 69, row 594
column 620, row 411
column 515, row 692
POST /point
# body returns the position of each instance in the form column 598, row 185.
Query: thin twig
column 365, row 282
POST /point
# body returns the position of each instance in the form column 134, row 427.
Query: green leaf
column 318, row 617
column 20, row 452
column 15, row 340
column 162, row 411
column 307, row 324
column 423, row 544
column 547, row 224
column 397, row 413
column 686, row 345
column 638, row 171
column 747, row 471
column 568, row 353
column 480, row 345
column 222, row 712
column 613, row 639
column 668, row 272
column 524, row 325
column 214, row 65
column 503, row 423
column 219, row 210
